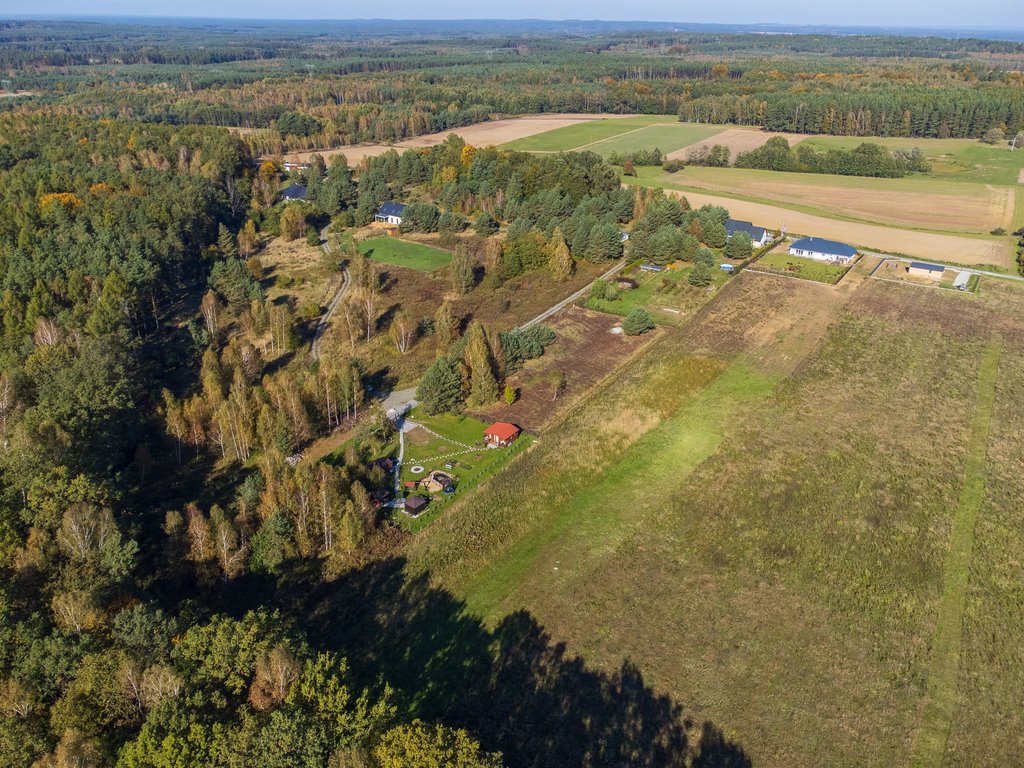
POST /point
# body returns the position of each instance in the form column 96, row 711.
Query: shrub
column 637, row 322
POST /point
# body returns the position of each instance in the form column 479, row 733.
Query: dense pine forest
column 353, row 89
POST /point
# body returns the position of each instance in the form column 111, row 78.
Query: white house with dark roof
column 758, row 235
column 390, row 212
column 820, row 249
column 294, row 193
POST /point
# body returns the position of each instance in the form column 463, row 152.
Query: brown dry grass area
column 737, row 140
column 1020, row 176
column 968, row 213
column 951, row 248
column 421, row 293
column 487, row 134
column 586, row 351
column 294, row 269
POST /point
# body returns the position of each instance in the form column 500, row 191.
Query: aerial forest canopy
column 937, row 88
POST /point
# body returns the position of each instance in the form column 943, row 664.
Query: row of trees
column 864, row 160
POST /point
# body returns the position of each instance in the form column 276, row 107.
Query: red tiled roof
column 501, row 430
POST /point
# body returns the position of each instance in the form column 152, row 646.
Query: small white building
column 819, row 249
column 390, row 213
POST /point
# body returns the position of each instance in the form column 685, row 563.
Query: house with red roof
column 501, row 434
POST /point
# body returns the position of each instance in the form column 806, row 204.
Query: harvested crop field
column 954, row 249
column 491, row 133
column 586, row 351
column 915, row 201
column 737, row 140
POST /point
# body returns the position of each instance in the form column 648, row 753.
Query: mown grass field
column 798, row 266
column 667, row 137
column 575, row 136
column 737, row 516
column 402, row 253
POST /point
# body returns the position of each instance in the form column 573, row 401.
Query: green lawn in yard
column 798, row 266
column 453, row 434
column 668, row 138
column 658, row 292
column 403, row 253
column 575, row 136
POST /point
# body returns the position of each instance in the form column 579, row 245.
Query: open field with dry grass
column 737, row 140
column 738, row 517
column 487, row 134
column 913, row 202
column 295, row 270
column 586, row 351
column 955, row 249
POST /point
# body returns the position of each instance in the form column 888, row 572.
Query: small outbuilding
column 727, row 267
column 820, row 249
column 294, row 193
column 924, row 269
column 390, row 212
column 961, row 281
column 414, row 505
column 501, row 434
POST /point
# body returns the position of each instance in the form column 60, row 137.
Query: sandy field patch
column 491, row 133
column 951, row 248
column 737, row 140
column 1020, row 176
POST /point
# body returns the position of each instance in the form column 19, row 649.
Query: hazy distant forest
column 174, row 592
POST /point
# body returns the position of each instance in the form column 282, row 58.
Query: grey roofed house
column 390, row 212
column 293, row 192
column 758, row 235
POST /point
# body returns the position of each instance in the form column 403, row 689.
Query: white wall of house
column 819, row 256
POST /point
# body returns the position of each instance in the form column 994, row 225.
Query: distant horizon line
column 763, row 24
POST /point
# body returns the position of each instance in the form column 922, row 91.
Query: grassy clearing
column 944, row 667
column 668, row 138
column 959, row 159
column 574, row 136
column 402, row 253
column 798, row 266
column 667, row 295
column 771, row 554
column 602, row 513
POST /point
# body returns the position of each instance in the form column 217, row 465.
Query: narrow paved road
column 565, row 302
column 346, row 280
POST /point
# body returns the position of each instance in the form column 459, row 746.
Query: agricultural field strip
column 896, row 241
column 940, row 701
column 616, row 137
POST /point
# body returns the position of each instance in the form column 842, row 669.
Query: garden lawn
column 431, row 451
column 666, row 295
column 798, row 266
column 402, row 253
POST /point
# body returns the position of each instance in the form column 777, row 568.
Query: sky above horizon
column 924, row 13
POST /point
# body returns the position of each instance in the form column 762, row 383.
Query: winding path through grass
column 940, row 699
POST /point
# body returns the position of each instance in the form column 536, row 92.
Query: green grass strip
column 940, row 698
column 602, row 512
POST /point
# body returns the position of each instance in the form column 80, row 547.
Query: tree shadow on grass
column 512, row 687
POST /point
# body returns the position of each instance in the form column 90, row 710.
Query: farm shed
column 960, row 283
column 414, row 505
column 758, row 235
column 651, row 268
column 390, row 212
column 500, row 434
column 924, row 269
column 294, row 193
column 819, row 249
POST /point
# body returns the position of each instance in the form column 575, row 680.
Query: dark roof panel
column 926, row 266
column 294, row 192
column 732, row 226
column 391, row 208
column 821, row 245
